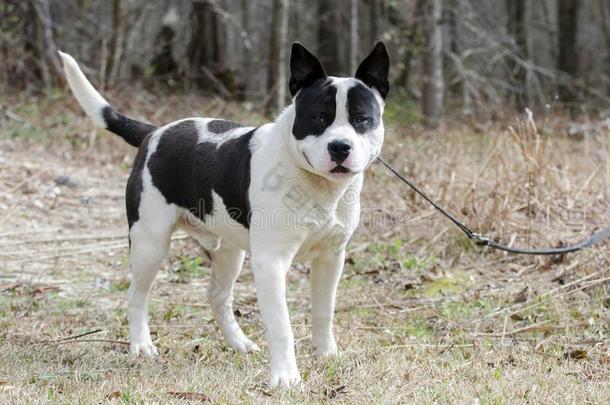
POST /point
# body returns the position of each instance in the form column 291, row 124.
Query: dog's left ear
column 305, row 68
column 375, row 69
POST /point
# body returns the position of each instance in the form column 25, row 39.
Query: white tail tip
column 90, row 100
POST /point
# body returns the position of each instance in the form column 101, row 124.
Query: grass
column 422, row 315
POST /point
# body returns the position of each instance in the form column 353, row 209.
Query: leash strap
column 482, row 240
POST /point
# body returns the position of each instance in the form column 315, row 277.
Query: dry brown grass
column 423, row 316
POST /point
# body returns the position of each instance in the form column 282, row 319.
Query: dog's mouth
column 340, row 169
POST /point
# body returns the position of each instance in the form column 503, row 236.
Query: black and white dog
column 287, row 191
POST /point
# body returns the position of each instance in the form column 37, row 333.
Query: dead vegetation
column 422, row 315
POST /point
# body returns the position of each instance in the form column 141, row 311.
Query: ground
column 422, row 314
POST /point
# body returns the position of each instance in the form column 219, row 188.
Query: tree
column 277, row 81
column 517, row 29
column 605, row 11
column 163, row 62
column 433, row 81
column 377, row 19
column 116, row 43
column 354, row 36
column 328, row 43
column 205, row 51
column 567, row 17
column 198, row 53
column 47, row 49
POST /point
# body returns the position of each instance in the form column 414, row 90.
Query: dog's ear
column 375, row 69
column 305, row 68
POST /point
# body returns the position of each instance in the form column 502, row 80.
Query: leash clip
column 480, row 239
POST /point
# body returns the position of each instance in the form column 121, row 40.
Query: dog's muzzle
column 339, row 150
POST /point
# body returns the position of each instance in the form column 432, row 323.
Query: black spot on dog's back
column 221, row 126
column 315, row 109
column 363, row 109
column 233, row 181
column 172, row 168
column 186, row 171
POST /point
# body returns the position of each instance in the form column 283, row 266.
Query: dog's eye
column 361, row 120
column 321, row 118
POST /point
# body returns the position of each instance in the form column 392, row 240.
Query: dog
column 287, row 191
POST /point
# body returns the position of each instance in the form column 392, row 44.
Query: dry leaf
column 521, row 296
column 6, row 386
column 576, row 354
column 114, row 395
column 333, row 392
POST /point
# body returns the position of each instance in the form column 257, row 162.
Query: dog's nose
column 339, row 150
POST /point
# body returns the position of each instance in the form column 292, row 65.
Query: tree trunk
column 354, row 38
column 454, row 81
column 517, row 29
column 376, row 18
column 116, row 43
column 605, row 10
column 412, row 31
column 328, row 31
column 47, row 47
column 196, row 53
column 433, row 81
column 203, row 51
column 567, row 18
column 282, row 81
column 276, row 73
column 163, row 63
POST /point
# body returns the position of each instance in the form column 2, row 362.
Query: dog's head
column 338, row 128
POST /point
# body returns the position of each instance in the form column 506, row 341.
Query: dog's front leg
column 325, row 272
column 270, row 278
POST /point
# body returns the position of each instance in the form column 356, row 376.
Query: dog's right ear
column 305, row 68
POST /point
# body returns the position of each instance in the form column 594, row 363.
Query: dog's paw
column 325, row 349
column 242, row 344
column 143, row 349
column 284, row 377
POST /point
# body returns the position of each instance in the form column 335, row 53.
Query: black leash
column 482, row 240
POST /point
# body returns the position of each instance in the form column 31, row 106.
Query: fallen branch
column 70, row 337
column 118, row 342
column 62, row 250
column 57, row 256
column 65, row 239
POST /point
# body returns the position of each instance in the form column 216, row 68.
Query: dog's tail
column 99, row 110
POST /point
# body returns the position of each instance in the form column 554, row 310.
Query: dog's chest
column 325, row 227
column 324, row 238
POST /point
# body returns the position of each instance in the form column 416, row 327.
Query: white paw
column 241, row 344
column 284, row 377
column 143, row 349
column 328, row 348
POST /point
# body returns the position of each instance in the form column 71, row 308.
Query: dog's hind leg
column 149, row 245
column 227, row 262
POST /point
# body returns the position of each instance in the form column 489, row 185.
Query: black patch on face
column 362, row 109
column 134, row 184
column 186, row 172
column 315, row 109
column 221, row 126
